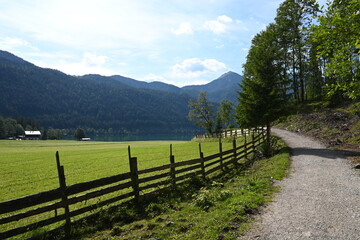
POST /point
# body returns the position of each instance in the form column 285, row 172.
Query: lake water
column 141, row 137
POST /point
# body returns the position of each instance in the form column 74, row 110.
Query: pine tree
column 260, row 101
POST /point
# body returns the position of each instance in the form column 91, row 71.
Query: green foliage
column 226, row 112
column 79, row 134
column 201, row 112
column 55, row 134
column 337, row 38
column 267, row 149
column 292, row 21
column 260, row 101
column 208, row 196
column 2, row 128
column 13, row 127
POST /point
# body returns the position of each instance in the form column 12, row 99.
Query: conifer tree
column 260, row 101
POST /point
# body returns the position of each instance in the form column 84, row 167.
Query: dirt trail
column 320, row 199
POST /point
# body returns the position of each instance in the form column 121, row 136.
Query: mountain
column 160, row 86
column 58, row 100
column 224, row 87
column 221, row 88
column 62, row 101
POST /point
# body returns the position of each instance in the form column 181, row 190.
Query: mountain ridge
column 59, row 100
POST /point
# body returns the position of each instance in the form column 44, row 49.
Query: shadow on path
column 326, row 153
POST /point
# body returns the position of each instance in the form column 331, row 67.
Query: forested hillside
column 121, row 104
column 58, row 100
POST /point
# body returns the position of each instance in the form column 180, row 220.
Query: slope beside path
column 320, row 199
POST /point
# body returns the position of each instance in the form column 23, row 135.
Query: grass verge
column 220, row 208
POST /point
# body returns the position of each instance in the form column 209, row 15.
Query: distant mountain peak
column 229, row 74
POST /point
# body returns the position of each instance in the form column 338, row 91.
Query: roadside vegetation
column 336, row 126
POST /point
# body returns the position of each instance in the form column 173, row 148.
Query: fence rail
column 228, row 133
column 130, row 185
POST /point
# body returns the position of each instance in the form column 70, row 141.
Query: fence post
column 64, row 198
column 220, row 151
column 134, row 176
column 202, row 162
column 253, row 141
column 172, row 168
column 245, row 146
column 264, row 134
column 234, row 147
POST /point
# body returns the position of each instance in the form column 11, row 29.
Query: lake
column 140, row 137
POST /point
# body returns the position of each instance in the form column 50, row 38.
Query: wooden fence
column 229, row 133
column 133, row 185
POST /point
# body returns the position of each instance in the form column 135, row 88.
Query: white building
column 32, row 135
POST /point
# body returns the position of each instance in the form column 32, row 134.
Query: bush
column 266, row 149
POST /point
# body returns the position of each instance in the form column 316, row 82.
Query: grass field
column 28, row 167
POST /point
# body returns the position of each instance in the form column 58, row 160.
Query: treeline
column 66, row 102
column 314, row 53
column 13, row 127
column 306, row 54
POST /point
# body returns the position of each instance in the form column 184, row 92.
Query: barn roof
column 31, row 133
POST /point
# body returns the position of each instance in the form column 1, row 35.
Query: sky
column 180, row 42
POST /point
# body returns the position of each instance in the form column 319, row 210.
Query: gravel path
column 320, row 199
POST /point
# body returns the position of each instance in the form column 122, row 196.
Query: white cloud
column 219, row 25
column 89, row 64
column 194, row 67
column 224, row 18
column 88, row 24
column 184, row 28
column 151, row 77
column 7, row 43
column 92, row 60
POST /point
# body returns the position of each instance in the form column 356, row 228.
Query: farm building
column 32, row 135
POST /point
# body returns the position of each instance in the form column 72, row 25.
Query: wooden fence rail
column 131, row 185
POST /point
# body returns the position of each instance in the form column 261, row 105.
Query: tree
column 225, row 112
column 10, row 126
column 44, row 135
column 201, row 112
column 293, row 19
column 79, row 134
column 2, row 128
column 260, row 101
column 55, row 134
column 338, row 42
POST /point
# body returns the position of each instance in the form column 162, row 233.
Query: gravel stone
column 319, row 200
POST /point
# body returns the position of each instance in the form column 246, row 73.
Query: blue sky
column 180, row 42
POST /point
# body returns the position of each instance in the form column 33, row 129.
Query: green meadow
column 28, row 167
